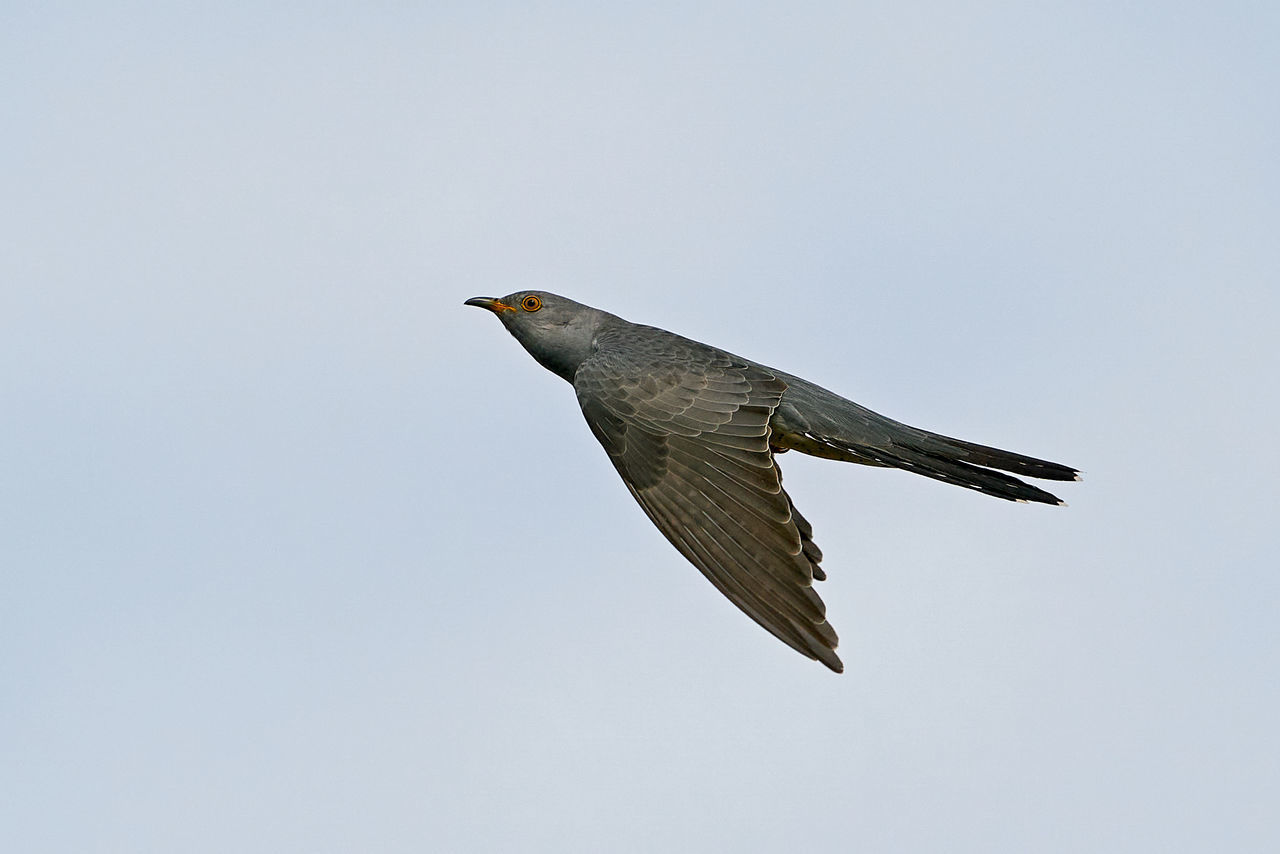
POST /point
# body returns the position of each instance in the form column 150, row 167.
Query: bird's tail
column 962, row 463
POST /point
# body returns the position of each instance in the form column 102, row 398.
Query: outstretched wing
column 687, row 427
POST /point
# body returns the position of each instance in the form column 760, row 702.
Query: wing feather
column 687, row 427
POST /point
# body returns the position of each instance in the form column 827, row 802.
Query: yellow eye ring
column 531, row 303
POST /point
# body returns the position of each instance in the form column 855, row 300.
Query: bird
column 695, row 432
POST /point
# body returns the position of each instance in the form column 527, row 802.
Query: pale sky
column 298, row 553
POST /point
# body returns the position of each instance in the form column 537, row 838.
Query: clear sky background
column 300, row 554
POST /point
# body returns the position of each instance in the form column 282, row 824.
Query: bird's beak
column 494, row 304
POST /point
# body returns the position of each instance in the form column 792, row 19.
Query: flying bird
column 695, row 432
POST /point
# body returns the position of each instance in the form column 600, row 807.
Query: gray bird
column 694, row 431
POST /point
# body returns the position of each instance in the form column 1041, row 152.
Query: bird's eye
column 531, row 303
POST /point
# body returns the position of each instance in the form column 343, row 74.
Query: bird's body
column 694, row 431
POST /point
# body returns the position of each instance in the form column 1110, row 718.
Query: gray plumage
column 694, row 432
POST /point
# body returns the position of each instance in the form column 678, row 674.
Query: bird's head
column 558, row 332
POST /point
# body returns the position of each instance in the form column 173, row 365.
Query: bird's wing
column 687, row 427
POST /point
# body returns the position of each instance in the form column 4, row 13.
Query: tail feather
column 967, row 475
column 982, row 455
column 960, row 463
column 812, row 420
